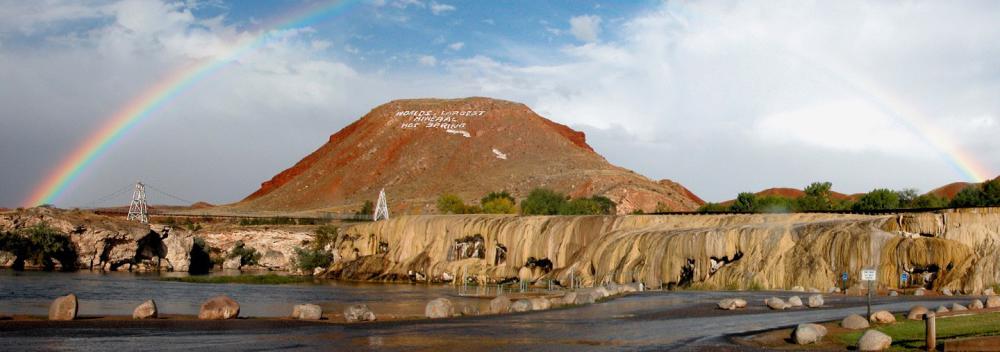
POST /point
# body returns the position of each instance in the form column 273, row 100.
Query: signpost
column 870, row 276
column 904, row 279
column 843, row 282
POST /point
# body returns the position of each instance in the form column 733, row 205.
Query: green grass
column 268, row 279
column 909, row 334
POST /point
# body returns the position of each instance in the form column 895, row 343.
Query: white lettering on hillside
column 452, row 121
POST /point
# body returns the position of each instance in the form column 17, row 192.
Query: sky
column 721, row 96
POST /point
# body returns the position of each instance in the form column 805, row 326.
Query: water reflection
column 118, row 293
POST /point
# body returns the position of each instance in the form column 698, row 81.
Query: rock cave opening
column 544, row 264
column 468, row 247
column 501, row 256
column 201, row 261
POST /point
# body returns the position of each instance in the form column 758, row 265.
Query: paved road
column 647, row 321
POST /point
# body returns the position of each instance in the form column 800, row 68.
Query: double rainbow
column 149, row 101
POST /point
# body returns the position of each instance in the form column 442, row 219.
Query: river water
column 646, row 321
column 118, row 293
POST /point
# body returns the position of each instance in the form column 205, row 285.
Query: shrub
column 367, row 209
column 499, row 206
column 817, row 197
column 971, row 196
column 497, row 195
column 450, row 204
column 247, row 255
column 542, row 201
column 309, row 259
column 929, row 201
column 745, row 202
column 40, row 244
column 712, row 208
column 580, row 206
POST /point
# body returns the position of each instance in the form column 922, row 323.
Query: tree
column 580, row 206
column 247, row 255
column 929, row 201
column 991, row 192
column 542, row 201
column 450, row 204
column 606, row 205
column 817, row 197
column 878, row 199
column 745, row 203
column 907, row 197
column 971, row 196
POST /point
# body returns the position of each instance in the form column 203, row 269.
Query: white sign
column 868, row 275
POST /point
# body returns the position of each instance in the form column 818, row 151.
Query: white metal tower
column 382, row 207
column 137, row 210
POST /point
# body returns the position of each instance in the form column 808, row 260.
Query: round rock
column 439, row 308
column 883, row 317
column 64, row 308
column 521, row 305
column 146, row 310
column 941, row 309
column 500, row 305
column 854, row 322
column 732, row 303
column 955, row 307
column 976, row 304
column 992, row 301
column 808, row 333
column 219, row 308
column 795, row 301
column 815, row 301
column 775, row 303
column 311, row 312
column 874, row 340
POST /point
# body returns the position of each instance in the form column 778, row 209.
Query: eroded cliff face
column 105, row 243
column 950, row 249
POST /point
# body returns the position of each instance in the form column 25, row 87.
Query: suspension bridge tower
column 137, row 209
column 381, row 208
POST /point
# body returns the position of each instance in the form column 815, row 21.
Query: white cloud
column 407, row 3
column 438, row 8
column 427, row 60
column 456, row 46
column 585, row 28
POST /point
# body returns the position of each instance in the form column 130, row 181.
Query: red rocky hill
column 419, row 149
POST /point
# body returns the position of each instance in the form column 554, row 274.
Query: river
column 644, row 321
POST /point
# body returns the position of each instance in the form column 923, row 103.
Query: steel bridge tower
column 137, row 209
column 381, row 208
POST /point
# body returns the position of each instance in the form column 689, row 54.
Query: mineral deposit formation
column 953, row 249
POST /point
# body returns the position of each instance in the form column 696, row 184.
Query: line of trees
column 818, row 197
column 541, row 201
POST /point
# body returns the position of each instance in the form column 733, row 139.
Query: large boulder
column 219, row 308
column 893, row 293
column 883, row 317
column 233, row 263
column 500, row 305
column 919, row 292
column 992, row 301
column 808, row 333
column 439, row 308
column 146, row 310
column 815, row 301
column 946, row 292
column 732, row 303
column 976, row 304
column 798, row 289
column 955, row 307
column 941, row 309
column 64, row 308
column 854, row 322
column 795, row 301
column 917, row 313
column 521, row 305
column 776, row 303
column 470, row 309
column 540, row 303
column 874, row 340
column 314, row 312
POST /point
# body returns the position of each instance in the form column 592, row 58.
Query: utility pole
column 382, row 208
column 137, row 209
